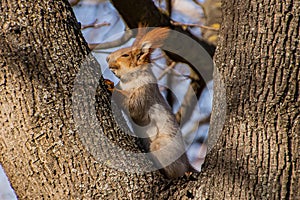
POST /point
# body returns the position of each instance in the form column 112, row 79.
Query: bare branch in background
column 189, row 103
column 120, row 41
column 135, row 11
column 175, row 73
column 171, row 66
column 158, row 57
column 169, row 7
column 74, row 2
column 210, row 27
column 194, row 25
column 94, row 25
column 205, row 120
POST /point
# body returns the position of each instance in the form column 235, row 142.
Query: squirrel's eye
column 125, row 55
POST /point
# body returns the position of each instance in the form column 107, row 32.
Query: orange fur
column 156, row 37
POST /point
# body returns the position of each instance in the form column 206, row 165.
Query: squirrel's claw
column 110, row 85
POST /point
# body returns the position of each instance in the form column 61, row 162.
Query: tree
column 256, row 156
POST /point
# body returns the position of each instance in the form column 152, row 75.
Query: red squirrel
column 154, row 121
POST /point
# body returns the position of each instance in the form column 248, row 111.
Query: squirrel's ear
column 146, row 47
column 143, row 52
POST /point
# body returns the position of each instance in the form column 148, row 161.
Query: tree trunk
column 257, row 156
column 47, row 146
column 43, row 141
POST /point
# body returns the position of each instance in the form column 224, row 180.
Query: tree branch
column 94, row 25
column 135, row 11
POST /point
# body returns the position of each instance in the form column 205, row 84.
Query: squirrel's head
column 127, row 60
column 130, row 59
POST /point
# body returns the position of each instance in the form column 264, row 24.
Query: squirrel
column 152, row 117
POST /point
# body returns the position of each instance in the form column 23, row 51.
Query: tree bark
column 42, row 144
column 257, row 156
column 47, row 147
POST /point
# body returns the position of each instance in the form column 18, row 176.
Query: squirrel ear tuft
column 141, row 32
column 155, row 38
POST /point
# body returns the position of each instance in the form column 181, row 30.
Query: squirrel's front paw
column 110, row 85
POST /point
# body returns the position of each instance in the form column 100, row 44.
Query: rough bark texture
column 41, row 149
column 41, row 146
column 258, row 58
